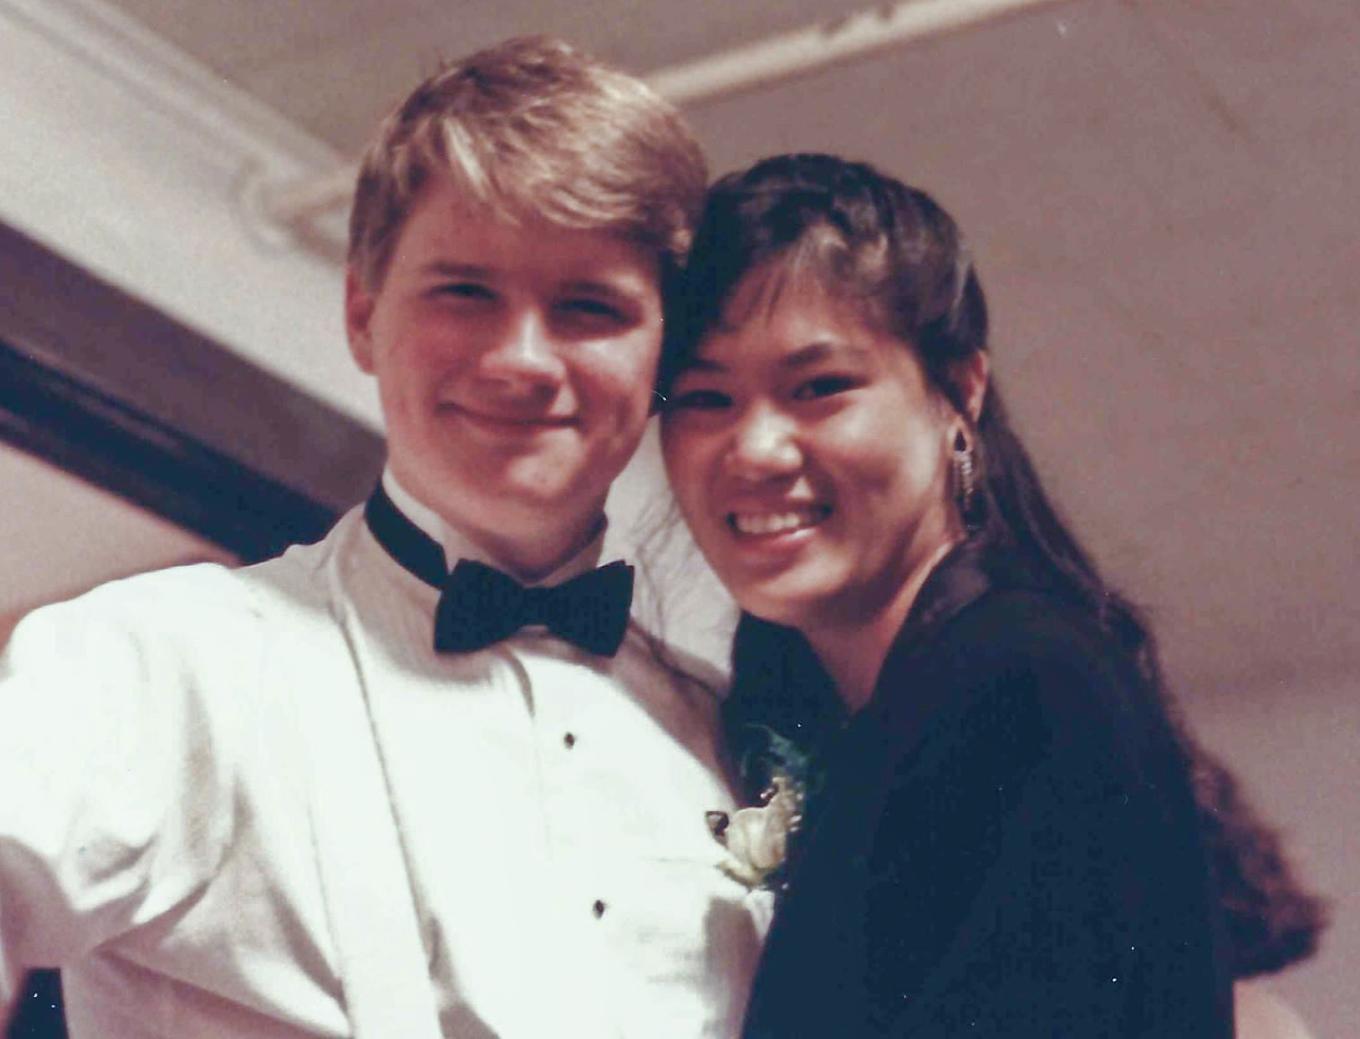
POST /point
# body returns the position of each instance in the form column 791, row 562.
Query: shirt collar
column 969, row 571
column 957, row 580
column 971, row 568
column 458, row 545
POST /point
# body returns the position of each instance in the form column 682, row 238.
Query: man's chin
column 528, row 501
column 540, row 487
column 517, row 494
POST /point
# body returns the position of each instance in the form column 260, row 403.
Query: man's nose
column 764, row 444
column 523, row 350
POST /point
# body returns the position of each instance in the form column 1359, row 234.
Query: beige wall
column 7, row 622
column 62, row 536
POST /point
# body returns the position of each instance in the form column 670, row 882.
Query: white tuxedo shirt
column 156, row 811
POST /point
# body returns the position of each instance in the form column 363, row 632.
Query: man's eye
column 824, row 386
column 471, row 290
column 697, row 400
column 593, row 309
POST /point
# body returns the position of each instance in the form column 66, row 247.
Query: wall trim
column 105, row 386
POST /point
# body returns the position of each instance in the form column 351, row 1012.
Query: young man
column 343, row 792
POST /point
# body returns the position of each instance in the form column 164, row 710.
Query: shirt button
column 569, row 740
column 598, row 909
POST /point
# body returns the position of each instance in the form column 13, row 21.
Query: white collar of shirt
column 457, row 545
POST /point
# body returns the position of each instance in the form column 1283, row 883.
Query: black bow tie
column 479, row 605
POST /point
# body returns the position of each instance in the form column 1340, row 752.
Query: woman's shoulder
column 1023, row 658
column 989, row 598
column 1035, row 621
column 1025, row 630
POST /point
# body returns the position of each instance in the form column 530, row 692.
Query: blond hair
column 533, row 128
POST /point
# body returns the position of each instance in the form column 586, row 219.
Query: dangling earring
column 965, row 480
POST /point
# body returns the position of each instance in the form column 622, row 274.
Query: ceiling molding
column 723, row 74
column 195, row 96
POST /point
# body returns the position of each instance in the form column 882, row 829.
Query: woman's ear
column 970, row 377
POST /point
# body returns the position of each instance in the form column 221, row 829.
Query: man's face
column 515, row 366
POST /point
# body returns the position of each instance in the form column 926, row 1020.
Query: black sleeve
column 1036, row 868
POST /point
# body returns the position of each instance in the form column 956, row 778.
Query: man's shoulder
column 304, row 573
column 160, row 597
column 212, row 598
column 682, row 666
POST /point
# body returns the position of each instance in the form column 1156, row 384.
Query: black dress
column 1007, row 843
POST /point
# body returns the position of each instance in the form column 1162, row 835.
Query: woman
column 999, row 835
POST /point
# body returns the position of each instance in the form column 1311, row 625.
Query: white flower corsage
column 757, row 838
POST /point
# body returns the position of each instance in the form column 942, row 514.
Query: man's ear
column 971, row 376
column 359, row 303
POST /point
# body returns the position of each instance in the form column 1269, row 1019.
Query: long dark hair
column 1272, row 920
column 894, row 250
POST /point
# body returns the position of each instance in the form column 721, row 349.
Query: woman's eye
column 823, row 386
column 697, row 400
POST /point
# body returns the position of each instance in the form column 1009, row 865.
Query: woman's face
column 809, row 455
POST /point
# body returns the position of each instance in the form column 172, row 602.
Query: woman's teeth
column 756, row 523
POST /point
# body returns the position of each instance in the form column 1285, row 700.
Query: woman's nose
column 764, row 444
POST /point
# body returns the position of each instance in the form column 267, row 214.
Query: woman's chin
column 786, row 601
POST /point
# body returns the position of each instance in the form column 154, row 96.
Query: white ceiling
column 335, row 66
column 1159, row 194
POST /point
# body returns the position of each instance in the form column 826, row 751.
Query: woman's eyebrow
column 703, row 364
column 803, row 357
column 821, row 350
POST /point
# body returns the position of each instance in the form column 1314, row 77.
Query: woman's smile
column 767, row 523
